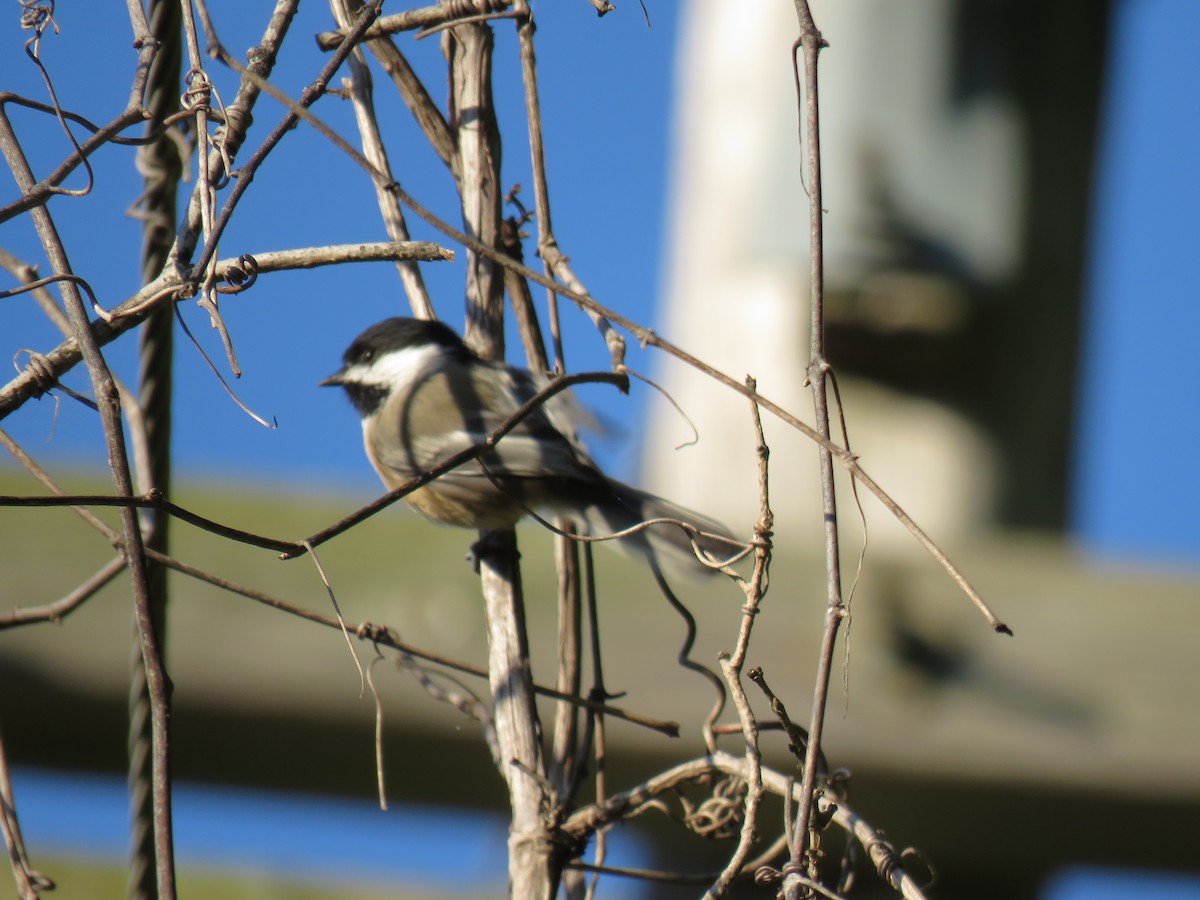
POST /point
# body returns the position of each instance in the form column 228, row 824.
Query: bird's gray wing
column 429, row 428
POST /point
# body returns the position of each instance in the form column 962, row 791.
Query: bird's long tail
column 667, row 542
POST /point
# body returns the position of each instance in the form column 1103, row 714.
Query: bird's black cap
column 395, row 334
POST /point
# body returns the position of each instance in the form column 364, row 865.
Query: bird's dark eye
column 367, row 355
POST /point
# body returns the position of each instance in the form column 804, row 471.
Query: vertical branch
column 521, row 299
column 595, row 738
column 144, row 41
column 160, row 162
column 530, row 871
column 565, row 749
column 731, row 666
column 110, row 414
column 810, row 44
column 412, row 91
column 29, row 881
column 532, row 868
column 473, row 120
column 556, row 263
column 209, row 177
column 547, row 244
column 361, row 88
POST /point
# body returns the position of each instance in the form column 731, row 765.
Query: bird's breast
column 476, row 507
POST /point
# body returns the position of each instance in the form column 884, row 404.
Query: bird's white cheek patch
column 392, row 370
column 400, row 366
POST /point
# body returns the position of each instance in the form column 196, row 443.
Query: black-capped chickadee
column 424, row 395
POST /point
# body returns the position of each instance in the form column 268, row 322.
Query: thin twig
column 337, row 611
column 683, row 657
column 110, row 413
column 547, row 244
column 360, row 89
column 29, row 880
column 798, row 740
column 564, row 746
column 463, row 699
column 596, row 731
column 380, row 785
column 56, row 611
column 810, row 43
column 652, row 875
column 731, row 665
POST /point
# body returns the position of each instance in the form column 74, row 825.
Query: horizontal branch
column 171, row 286
column 157, row 501
column 291, row 549
column 314, row 257
column 60, row 609
column 414, row 19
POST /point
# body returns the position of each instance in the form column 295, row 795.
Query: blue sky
column 1137, row 487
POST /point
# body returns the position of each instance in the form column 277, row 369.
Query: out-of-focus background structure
column 1002, row 239
column 1012, row 316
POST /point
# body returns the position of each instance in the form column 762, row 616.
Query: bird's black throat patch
column 367, row 398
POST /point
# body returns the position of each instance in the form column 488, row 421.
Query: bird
column 424, row 395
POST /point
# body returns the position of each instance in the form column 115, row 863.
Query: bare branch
column 360, row 88
column 55, row 612
column 107, row 400
column 29, row 881
column 173, row 285
column 810, row 43
column 590, row 818
column 414, row 19
column 412, row 91
column 533, row 867
column 731, row 665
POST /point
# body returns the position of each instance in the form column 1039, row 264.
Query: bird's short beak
column 333, row 380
